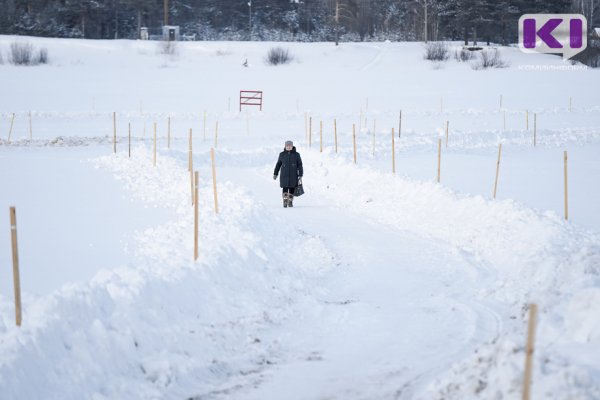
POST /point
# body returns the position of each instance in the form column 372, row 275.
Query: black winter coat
column 290, row 164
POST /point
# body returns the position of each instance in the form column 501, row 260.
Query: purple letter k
column 545, row 33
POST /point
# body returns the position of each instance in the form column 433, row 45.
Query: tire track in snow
column 375, row 60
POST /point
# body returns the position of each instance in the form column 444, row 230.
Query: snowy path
column 399, row 308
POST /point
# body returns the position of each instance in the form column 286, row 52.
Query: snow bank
column 536, row 257
column 165, row 326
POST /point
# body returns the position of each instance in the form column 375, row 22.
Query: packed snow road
column 397, row 309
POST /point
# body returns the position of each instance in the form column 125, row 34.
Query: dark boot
column 285, row 200
column 291, row 200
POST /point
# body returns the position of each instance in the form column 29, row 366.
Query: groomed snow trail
column 398, row 307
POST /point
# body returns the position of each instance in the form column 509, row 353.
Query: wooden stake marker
column 354, row 140
column 15, row 260
column 529, row 351
column 400, row 125
column 566, row 189
column 321, row 135
column 335, row 135
column 497, row 170
column 214, row 176
column 393, row 152
column 195, row 196
column 30, row 127
column 309, row 131
column 439, row 159
column 12, row 122
column 500, row 101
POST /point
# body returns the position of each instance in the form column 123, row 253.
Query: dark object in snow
column 290, row 165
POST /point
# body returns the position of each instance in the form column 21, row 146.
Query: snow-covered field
column 374, row 286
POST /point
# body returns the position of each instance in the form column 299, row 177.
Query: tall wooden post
column 321, row 136
column 529, row 351
column 354, row 140
column 15, row 259
column 154, row 162
column 12, row 122
column 439, row 159
column 335, row 134
column 500, row 102
column 115, row 132
column 400, row 125
column 566, row 188
column 393, row 152
column 195, row 196
column 214, row 176
column 309, row 131
column 497, row 170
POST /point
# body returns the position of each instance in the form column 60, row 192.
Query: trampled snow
column 374, row 286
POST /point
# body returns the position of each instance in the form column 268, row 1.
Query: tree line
column 286, row 20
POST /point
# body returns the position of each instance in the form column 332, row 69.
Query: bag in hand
column 299, row 190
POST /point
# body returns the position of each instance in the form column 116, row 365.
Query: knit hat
column 289, row 143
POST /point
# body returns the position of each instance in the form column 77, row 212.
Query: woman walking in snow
column 290, row 164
